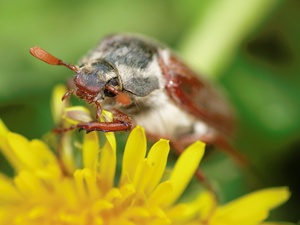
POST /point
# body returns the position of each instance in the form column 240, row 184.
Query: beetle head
column 93, row 78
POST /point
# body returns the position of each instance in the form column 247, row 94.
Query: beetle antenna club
column 45, row 56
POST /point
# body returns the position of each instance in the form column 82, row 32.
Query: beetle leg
column 67, row 94
column 60, row 130
column 226, row 147
column 217, row 140
column 112, row 89
column 120, row 97
column 121, row 122
column 99, row 109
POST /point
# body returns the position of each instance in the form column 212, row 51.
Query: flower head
column 43, row 193
column 71, row 187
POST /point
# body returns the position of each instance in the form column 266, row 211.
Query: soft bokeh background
column 251, row 48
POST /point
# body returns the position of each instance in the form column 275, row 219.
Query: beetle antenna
column 45, row 56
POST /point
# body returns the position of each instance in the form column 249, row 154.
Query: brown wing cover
column 196, row 96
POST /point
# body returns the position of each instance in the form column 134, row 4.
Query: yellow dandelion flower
column 72, row 188
column 42, row 193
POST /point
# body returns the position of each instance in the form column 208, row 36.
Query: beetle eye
column 108, row 93
column 113, row 82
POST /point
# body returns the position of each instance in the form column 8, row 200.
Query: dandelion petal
column 184, row 170
column 134, row 153
column 8, row 192
column 3, row 129
column 108, row 161
column 57, row 105
column 90, row 150
column 258, row 205
column 21, row 148
column 157, row 159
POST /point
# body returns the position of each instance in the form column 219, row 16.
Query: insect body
column 145, row 83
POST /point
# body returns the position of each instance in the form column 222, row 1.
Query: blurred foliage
column 252, row 52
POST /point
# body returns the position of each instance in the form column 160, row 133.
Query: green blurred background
column 251, row 48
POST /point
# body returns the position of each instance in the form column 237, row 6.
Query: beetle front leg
column 121, row 122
